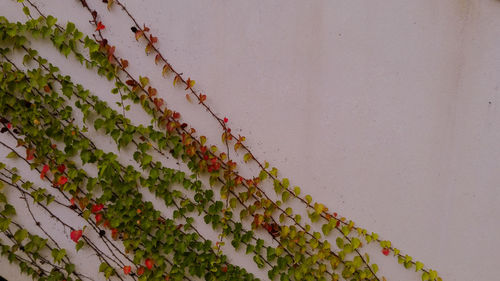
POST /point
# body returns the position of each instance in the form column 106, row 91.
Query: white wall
column 387, row 111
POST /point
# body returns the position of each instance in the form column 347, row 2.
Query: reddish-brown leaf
column 124, row 63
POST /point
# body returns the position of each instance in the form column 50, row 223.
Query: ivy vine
column 52, row 120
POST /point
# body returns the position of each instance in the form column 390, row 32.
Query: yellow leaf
column 110, row 3
column 247, row 157
column 166, row 69
column 177, row 78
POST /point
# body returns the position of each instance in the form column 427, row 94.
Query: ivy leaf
column 189, row 83
column 110, row 4
column 26, row 11
column 50, row 20
column 296, row 191
column 58, row 255
column 20, row 235
column 144, row 81
column 418, row 266
column 247, row 157
column 12, row 155
column 146, row 159
column 4, row 223
column 177, row 78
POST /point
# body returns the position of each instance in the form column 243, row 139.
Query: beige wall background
column 387, row 111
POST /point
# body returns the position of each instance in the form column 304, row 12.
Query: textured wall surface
column 388, row 112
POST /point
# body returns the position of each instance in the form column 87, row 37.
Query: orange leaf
column 153, row 39
column 236, row 146
column 148, row 48
column 166, row 69
column 189, row 83
column 138, row 34
column 157, row 58
column 188, row 98
column 146, row 29
column 202, row 98
column 152, row 91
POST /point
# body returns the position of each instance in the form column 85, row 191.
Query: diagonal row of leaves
column 294, row 240
column 281, row 185
column 34, row 248
column 152, row 236
column 26, row 249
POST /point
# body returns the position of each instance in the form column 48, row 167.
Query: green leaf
column 26, row 11
column 50, row 20
column 4, row 224
column 425, row 276
column 20, row 235
column 308, row 199
column 146, row 159
column 418, row 266
column 79, row 245
column 58, row 255
column 355, row 242
column 12, row 155
column 296, row 190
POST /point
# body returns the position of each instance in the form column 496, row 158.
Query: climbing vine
column 52, row 121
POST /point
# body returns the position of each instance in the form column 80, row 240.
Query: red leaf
column 224, row 269
column 45, row 169
column 127, row 269
column 72, row 201
column 146, row 29
column 158, row 102
column 76, row 235
column 100, row 26
column 62, row 180
column 9, row 126
column 97, row 207
column 226, row 120
column 30, row 154
column 98, row 218
column 149, row 263
column 385, row 251
column 61, row 168
column 176, row 115
column 140, row 271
